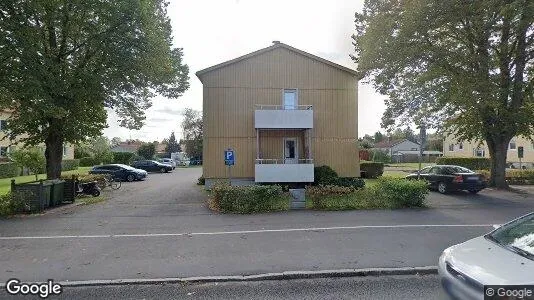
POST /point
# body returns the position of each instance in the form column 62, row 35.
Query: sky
column 214, row 31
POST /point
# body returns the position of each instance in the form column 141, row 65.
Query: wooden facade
column 232, row 90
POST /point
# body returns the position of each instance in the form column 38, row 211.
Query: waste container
column 56, row 192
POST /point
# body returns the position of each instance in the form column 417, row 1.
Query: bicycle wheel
column 115, row 184
column 102, row 183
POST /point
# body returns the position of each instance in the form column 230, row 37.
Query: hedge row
column 249, row 199
column 516, row 177
column 324, row 175
column 387, row 193
column 70, row 164
column 8, row 170
column 124, row 158
column 472, row 163
column 371, row 169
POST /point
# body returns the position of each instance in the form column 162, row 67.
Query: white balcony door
column 290, row 151
column 290, row 99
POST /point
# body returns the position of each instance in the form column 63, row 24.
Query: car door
column 154, row 166
column 433, row 176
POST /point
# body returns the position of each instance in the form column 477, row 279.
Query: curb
column 288, row 275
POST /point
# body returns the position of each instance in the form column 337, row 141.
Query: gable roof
column 389, row 144
column 275, row 45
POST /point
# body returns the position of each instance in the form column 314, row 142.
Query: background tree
column 466, row 66
column 63, row 62
column 378, row 137
column 99, row 148
column 115, row 141
column 32, row 158
column 147, row 150
column 192, row 131
column 172, row 145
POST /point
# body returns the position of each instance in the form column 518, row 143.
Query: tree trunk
column 53, row 155
column 498, row 151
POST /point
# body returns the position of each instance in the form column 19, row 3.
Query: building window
column 512, row 146
column 451, row 147
column 65, row 150
column 4, row 151
column 3, row 125
column 461, row 146
column 290, row 100
column 479, row 152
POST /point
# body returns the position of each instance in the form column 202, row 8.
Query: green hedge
column 514, row 177
column 386, row 193
column 472, row 163
column 8, row 205
column 8, row 170
column 249, row 199
column 70, row 164
column 87, row 161
column 324, row 175
column 125, row 158
column 372, row 169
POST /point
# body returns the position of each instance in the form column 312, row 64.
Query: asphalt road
column 383, row 287
column 161, row 228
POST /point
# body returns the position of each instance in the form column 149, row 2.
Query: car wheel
column 163, row 170
column 474, row 191
column 95, row 193
column 442, row 187
column 130, row 178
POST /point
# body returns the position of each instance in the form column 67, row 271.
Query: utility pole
column 422, row 139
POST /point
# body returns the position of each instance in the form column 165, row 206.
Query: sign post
column 520, row 151
column 422, row 139
column 229, row 160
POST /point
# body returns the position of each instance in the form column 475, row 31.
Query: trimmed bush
column 324, row 175
column 87, row 161
column 354, row 182
column 70, row 164
column 8, row 170
column 472, row 163
column 248, row 199
column 400, row 192
column 514, row 177
column 372, row 169
column 125, row 158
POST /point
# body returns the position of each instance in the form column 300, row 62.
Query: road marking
column 190, row 234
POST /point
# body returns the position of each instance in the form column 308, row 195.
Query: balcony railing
column 273, row 161
column 280, row 172
column 281, row 117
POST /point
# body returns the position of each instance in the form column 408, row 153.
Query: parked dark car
column 446, row 178
column 120, row 172
column 152, row 166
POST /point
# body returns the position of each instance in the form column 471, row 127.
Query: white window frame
column 476, row 150
column 451, row 147
column 65, row 150
column 296, row 91
column 510, row 146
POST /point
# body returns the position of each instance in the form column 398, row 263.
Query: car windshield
column 517, row 236
column 457, row 169
column 125, row 167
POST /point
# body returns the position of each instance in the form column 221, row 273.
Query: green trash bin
column 56, row 193
column 47, row 193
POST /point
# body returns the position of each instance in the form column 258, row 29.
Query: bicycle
column 111, row 182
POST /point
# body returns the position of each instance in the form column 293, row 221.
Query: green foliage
column 472, row 163
column 147, row 150
column 70, row 164
column 81, row 150
column 400, row 192
column 324, row 175
column 379, row 156
column 8, row 170
column 64, row 62
column 172, row 145
column 354, row 182
column 9, row 205
column 100, row 150
column 31, row 158
column 125, row 158
column 465, row 66
column 88, row 162
column 515, row 177
column 192, row 131
column 249, row 199
column 201, row 180
column 372, row 169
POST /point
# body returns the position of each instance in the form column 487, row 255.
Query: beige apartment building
column 452, row 147
column 7, row 145
column 282, row 111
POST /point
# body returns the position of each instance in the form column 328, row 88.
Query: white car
column 168, row 161
column 504, row 256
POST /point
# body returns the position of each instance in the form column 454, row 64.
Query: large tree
column 192, row 131
column 64, row 62
column 172, row 145
column 464, row 66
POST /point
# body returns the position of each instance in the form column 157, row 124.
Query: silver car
column 168, row 161
column 504, row 256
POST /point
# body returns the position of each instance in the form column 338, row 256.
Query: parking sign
column 229, row 157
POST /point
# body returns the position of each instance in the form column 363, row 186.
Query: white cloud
column 211, row 32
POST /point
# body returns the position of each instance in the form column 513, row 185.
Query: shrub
column 8, row 170
column 99, row 178
column 379, row 156
column 201, row 180
column 472, row 163
column 324, row 175
column 9, row 206
column 70, row 164
column 249, row 199
column 400, row 192
column 87, row 161
column 354, row 182
column 372, row 169
column 124, row 158
column 517, row 177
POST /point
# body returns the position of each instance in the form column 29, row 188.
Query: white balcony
column 272, row 170
column 276, row 117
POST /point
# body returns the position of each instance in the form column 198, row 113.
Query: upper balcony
column 279, row 117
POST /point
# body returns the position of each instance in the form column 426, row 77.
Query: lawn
column 5, row 183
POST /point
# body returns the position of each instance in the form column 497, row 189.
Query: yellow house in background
column 452, row 147
column 283, row 111
column 7, row 145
